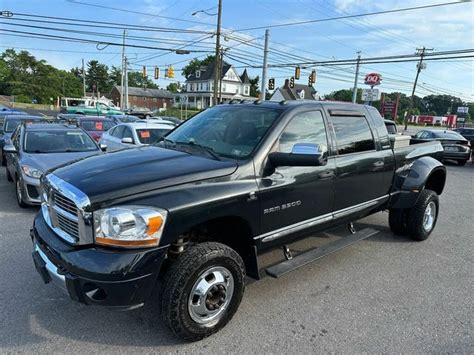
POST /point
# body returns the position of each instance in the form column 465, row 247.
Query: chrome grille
column 65, row 210
column 64, row 203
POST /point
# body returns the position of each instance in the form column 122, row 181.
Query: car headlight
column 129, row 226
column 32, row 172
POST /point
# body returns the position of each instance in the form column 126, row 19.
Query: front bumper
column 96, row 276
column 31, row 190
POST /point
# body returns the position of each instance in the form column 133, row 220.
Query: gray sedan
column 37, row 148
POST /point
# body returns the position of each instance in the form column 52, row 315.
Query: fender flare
column 413, row 178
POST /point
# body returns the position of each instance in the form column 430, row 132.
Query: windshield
column 58, row 142
column 12, row 123
column 150, row 135
column 448, row 135
column 97, row 125
column 231, row 131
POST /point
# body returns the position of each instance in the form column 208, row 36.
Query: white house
column 200, row 86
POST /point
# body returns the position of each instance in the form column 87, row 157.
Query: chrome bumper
column 56, row 278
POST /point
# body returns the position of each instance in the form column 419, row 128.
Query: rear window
column 97, row 125
column 447, row 135
column 12, row 123
column 150, row 135
column 58, row 142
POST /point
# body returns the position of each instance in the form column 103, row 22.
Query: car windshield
column 97, row 125
column 151, row 135
column 12, row 123
column 58, row 142
column 230, row 131
column 448, row 135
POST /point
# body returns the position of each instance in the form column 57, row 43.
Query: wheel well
column 235, row 232
column 436, row 181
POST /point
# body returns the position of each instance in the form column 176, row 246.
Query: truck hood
column 132, row 171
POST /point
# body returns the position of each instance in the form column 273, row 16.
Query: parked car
column 455, row 146
column 37, row 148
column 140, row 112
column 123, row 118
column 95, row 126
column 197, row 211
column 128, row 135
column 467, row 133
column 93, row 107
column 70, row 118
column 166, row 119
column 10, row 123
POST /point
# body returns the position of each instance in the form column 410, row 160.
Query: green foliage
column 173, row 87
column 254, row 89
column 195, row 64
column 344, row 95
column 22, row 75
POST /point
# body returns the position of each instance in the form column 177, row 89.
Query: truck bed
column 405, row 155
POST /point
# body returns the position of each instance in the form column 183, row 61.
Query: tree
column 97, row 77
column 173, row 87
column 195, row 64
column 344, row 95
column 254, row 89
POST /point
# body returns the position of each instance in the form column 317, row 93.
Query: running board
column 315, row 254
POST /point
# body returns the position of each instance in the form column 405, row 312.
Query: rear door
column 115, row 137
column 360, row 164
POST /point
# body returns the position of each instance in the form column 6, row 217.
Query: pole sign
column 373, row 79
column 370, row 94
column 463, row 109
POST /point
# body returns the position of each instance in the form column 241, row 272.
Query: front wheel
column 202, row 290
column 19, row 193
column 423, row 216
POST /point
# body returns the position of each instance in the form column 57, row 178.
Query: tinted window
column 58, row 142
column 448, row 135
column 391, row 128
column 150, row 135
column 127, row 133
column 352, row 134
column 306, row 127
column 229, row 131
column 12, row 123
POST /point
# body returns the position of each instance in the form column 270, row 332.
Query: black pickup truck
column 191, row 214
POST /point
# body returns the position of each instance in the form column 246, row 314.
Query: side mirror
column 127, row 140
column 302, row 154
column 103, row 147
column 10, row 148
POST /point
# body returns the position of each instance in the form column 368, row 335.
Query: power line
column 296, row 23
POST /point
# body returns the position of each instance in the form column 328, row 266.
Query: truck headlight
column 129, row 226
column 31, row 172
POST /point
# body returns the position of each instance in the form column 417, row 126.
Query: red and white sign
column 373, row 79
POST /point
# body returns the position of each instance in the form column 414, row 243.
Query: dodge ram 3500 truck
column 191, row 214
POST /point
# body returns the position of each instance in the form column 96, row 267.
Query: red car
column 95, row 126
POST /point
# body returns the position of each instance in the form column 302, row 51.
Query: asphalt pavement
column 386, row 294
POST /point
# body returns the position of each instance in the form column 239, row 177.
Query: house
column 298, row 92
column 199, row 86
column 152, row 99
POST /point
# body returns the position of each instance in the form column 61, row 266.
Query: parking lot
column 385, row 294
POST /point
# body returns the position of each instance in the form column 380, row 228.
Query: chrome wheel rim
column 429, row 217
column 19, row 193
column 211, row 295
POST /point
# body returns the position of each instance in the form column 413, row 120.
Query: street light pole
column 218, row 48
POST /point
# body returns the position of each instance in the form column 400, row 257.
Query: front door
column 297, row 194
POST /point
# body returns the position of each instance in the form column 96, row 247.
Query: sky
column 441, row 28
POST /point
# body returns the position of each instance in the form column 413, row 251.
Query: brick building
column 152, row 99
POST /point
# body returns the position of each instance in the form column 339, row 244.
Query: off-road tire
column 397, row 220
column 180, row 279
column 416, row 215
column 9, row 177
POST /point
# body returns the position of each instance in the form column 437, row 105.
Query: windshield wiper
column 207, row 149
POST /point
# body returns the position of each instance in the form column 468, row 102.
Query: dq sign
column 373, row 79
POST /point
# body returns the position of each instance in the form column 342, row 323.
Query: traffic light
column 312, row 78
column 297, row 73
column 144, row 72
column 292, row 82
column 271, row 84
column 157, row 73
column 170, row 72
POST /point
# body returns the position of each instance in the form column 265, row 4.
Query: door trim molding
column 284, row 231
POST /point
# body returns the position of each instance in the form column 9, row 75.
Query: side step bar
column 317, row 253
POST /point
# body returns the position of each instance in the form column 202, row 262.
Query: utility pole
column 83, row 78
column 354, row 93
column 122, row 94
column 221, row 68
column 265, row 66
column 126, row 82
column 421, row 52
column 218, row 48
